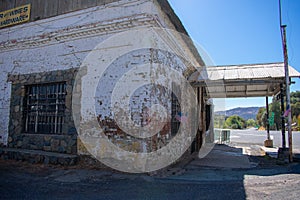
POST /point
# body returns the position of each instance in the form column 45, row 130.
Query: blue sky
column 242, row 32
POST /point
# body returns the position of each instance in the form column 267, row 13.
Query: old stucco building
column 39, row 61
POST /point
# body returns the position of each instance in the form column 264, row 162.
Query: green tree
column 235, row 122
column 295, row 109
column 275, row 107
column 219, row 121
column 295, row 97
column 295, row 105
column 251, row 123
column 261, row 117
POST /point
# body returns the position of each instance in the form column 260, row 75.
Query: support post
column 268, row 142
column 283, row 152
column 268, row 122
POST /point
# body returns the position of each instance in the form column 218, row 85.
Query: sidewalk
column 231, row 163
column 224, row 156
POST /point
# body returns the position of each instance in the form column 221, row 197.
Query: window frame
column 44, row 107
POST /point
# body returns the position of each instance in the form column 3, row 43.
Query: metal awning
column 252, row 80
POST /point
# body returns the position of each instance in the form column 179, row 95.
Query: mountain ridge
column 244, row 112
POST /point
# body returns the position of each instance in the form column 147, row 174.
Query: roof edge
column 174, row 19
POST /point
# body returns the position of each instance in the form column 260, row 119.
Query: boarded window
column 44, row 108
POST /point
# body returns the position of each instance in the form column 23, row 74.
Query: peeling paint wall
column 141, row 100
column 62, row 43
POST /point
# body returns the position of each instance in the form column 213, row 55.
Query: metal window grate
column 44, row 108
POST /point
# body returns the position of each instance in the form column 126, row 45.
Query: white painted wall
column 62, row 42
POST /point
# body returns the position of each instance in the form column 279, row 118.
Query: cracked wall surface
column 62, row 42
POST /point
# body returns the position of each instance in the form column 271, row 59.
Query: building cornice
column 81, row 31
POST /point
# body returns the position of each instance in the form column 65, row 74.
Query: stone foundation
column 52, row 143
column 35, row 156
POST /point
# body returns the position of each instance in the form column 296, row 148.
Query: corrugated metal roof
column 244, row 80
column 253, row 71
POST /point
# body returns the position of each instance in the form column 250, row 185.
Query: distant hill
column 246, row 113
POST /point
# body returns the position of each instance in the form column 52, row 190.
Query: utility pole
column 282, row 116
column 287, row 88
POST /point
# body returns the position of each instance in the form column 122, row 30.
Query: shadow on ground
column 244, row 172
column 225, row 173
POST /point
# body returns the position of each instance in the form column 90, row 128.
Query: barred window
column 44, row 108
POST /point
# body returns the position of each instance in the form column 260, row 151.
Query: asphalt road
column 24, row 181
column 253, row 136
column 19, row 180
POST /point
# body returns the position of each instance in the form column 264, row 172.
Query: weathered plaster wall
column 62, row 43
column 141, row 100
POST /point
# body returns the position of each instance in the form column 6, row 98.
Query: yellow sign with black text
column 15, row 16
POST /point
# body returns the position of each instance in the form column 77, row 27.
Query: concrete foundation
column 268, row 143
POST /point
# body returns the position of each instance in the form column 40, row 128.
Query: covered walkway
column 252, row 80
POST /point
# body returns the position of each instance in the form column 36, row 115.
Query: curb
column 272, row 152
